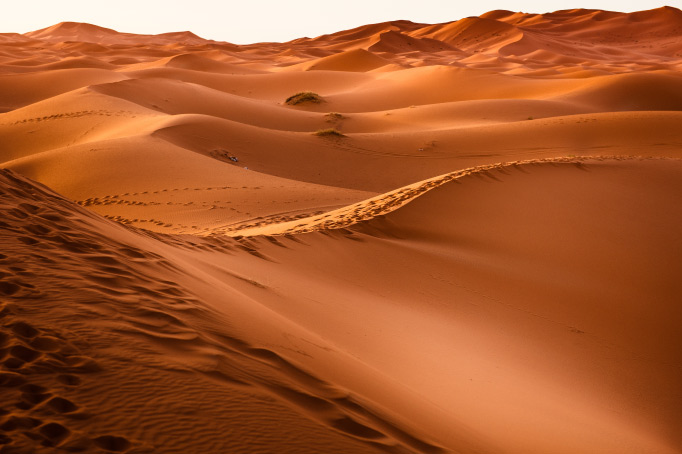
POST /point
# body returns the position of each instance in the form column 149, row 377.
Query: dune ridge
column 44, row 362
column 384, row 204
column 468, row 243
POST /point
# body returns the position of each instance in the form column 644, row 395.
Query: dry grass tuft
column 331, row 132
column 333, row 116
column 303, row 97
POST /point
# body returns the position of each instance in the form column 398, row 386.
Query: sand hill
column 459, row 238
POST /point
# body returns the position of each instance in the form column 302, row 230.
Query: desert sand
column 465, row 240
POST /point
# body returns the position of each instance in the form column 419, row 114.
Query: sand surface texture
column 464, row 239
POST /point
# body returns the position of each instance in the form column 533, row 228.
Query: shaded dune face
column 460, row 237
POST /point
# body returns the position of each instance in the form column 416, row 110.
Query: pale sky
column 249, row 21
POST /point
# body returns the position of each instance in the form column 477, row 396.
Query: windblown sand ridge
column 464, row 240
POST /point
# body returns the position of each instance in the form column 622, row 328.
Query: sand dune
column 22, row 90
column 476, row 33
column 396, row 42
column 353, row 60
column 464, row 238
column 497, row 236
column 87, row 33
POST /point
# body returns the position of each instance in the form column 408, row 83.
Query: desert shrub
column 302, row 97
column 331, row 132
column 331, row 116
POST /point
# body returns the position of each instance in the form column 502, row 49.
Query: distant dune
column 464, row 238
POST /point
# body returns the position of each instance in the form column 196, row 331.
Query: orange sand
column 486, row 260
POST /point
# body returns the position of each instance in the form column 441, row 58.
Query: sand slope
column 516, row 287
column 210, row 390
column 466, row 242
